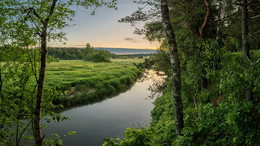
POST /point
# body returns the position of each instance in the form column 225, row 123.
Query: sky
column 104, row 30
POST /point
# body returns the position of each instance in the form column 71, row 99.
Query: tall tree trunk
column 175, row 62
column 37, row 115
column 216, row 59
column 37, row 118
column 245, row 42
column 219, row 23
column 204, row 80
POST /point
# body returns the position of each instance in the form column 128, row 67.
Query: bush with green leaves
column 18, row 74
column 90, row 54
column 229, row 123
column 231, row 120
column 138, row 137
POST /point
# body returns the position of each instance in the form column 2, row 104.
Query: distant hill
column 128, row 51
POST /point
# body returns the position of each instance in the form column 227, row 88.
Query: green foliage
column 77, row 54
column 16, row 88
column 232, row 123
column 128, row 56
column 22, row 25
column 87, row 82
column 18, row 73
column 96, row 55
column 101, row 56
column 154, row 31
column 132, row 137
column 224, row 116
column 202, row 61
column 213, row 80
column 24, row 21
column 159, row 61
column 66, row 53
column 111, row 141
column 136, row 137
column 88, row 51
column 56, row 140
column 238, row 76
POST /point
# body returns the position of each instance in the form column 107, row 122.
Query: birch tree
column 40, row 21
column 175, row 62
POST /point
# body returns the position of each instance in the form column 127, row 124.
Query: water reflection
column 108, row 118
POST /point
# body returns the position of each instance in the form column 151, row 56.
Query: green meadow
column 88, row 82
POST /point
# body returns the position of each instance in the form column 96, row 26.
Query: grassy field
column 90, row 81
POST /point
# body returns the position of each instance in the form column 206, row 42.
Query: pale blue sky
column 103, row 29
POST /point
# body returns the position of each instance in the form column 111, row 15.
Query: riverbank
column 83, row 82
column 107, row 118
column 218, row 115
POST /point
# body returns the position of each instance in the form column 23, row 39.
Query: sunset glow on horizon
column 121, row 44
column 104, row 30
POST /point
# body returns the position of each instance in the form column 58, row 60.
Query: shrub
column 139, row 137
column 230, row 123
column 96, row 55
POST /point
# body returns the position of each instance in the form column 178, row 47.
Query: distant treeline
column 55, row 54
column 125, row 56
column 78, row 54
column 66, row 53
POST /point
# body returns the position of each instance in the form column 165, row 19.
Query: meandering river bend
column 108, row 118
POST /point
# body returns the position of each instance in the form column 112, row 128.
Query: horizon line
column 100, row 47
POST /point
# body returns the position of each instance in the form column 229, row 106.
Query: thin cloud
column 131, row 40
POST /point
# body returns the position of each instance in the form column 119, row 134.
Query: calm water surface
column 108, row 118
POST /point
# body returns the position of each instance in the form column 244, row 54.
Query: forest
column 66, row 53
column 209, row 51
column 60, row 53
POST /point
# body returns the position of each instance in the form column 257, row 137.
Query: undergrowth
column 223, row 116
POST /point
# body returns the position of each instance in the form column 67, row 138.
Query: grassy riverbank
column 88, row 82
column 218, row 115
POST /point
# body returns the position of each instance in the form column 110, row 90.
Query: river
column 108, row 118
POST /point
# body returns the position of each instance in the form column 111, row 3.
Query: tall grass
column 88, row 82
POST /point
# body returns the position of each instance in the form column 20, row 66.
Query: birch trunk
column 175, row 62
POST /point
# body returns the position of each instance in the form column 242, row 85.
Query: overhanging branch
column 205, row 23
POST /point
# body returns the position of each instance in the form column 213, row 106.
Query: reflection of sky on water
column 108, row 118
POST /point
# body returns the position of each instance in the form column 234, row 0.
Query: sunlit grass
column 127, row 61
column 60, row 74
column 84, row 77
